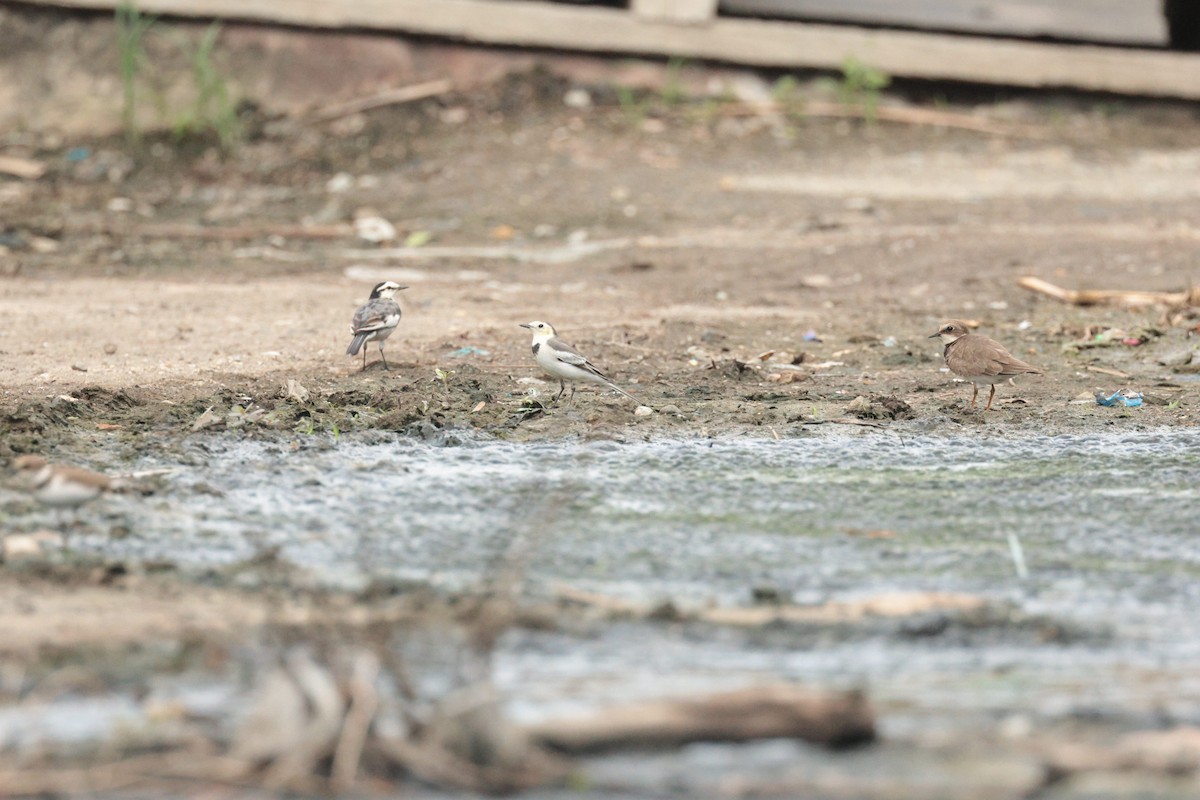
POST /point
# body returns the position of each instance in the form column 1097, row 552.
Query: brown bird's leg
column 387, row 368
column 364, row 369
column 974, row 393
column 562, row 389
column 990, row 396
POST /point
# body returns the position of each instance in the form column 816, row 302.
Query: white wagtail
column 979, row 359
column 559, row 359
column 375, row 320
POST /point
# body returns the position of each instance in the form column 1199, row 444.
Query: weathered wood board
column 740, row 41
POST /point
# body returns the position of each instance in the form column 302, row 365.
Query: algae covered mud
column 1062, row 571
column 709, row 520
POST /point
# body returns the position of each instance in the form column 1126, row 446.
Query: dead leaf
column 206, row 420
column 296, row 391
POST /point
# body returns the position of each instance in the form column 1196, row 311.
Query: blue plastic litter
column 78, row 154
column 1121, row 397
column 468, row 351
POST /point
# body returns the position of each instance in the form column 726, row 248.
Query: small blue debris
column 1121, row 397
column 811, row 336
column 77, row 154
column 468, row 351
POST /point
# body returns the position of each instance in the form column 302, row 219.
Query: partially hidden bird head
column 541, row 330
column 951, row 331
column 28, row 463
column 386, row 290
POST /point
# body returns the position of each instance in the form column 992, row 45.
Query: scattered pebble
column 643, row 411
column 375, row 230
column 577, row 98
column 341, row 182
column 30, row 545
column 456, row 115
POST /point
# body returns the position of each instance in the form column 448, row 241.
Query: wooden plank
column 1131, row 22
column 738, row 41
column 680, row 11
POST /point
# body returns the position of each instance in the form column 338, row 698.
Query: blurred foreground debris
column 334, row 706
column 887, row 604
column 312, row 719
column 833, row 719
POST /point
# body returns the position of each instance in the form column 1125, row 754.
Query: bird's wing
column 86, row 477
column 375, row 315
column 1014, row 366
column 1003, row 363
column 569, row 355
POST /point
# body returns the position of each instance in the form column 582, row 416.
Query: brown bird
column 61, row 485
column 979, row 359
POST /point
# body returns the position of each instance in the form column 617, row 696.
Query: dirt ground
column 672, row 251
column 743, row 272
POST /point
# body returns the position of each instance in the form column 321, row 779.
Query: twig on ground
column 1113, row 297
column 1116, row 373
column 845, row 421
column 25, row 168
column 387, row 97
column 221, row 232
column 905, row 116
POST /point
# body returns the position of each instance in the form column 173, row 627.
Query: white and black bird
column 375, row 320
column 562, row 361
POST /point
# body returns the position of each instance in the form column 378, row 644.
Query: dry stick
column 845, row 421
column 320, row 733
column 1115, row 297
column 1106, row 371
column 221, row 233
column 363, row 704
column 892, row 604
column 388, row 97
column 908, row 116
column 22, row 167
column 760, row 712
column 104, row 777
